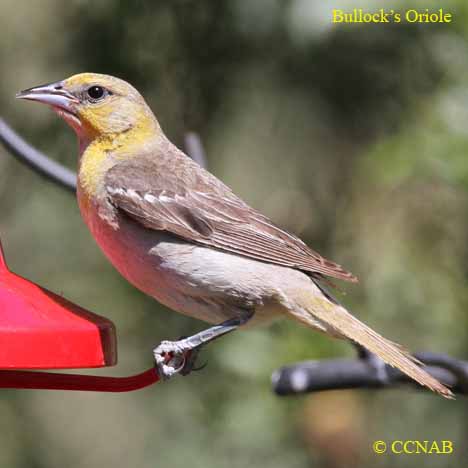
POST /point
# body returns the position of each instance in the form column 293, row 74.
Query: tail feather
column 341, row 322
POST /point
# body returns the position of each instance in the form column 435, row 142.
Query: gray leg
column 174, row 357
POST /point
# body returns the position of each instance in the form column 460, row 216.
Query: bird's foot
column 178, row 357
column 175, row 357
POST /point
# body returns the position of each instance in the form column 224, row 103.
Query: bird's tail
column 318, row 310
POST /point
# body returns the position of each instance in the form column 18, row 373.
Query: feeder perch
column 41, row 330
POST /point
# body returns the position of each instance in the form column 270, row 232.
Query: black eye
column 96, row 92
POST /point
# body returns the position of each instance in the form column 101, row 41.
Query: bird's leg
column 178, row 357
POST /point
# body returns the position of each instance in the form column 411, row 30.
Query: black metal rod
column 35, row 159
column 333, row 374
column 194, row 147
column 60, row 174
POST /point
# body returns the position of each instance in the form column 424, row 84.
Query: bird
column 180, row 235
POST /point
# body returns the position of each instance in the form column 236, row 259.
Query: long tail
column 320, row 311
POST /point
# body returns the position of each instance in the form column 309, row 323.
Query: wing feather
column 196, row 206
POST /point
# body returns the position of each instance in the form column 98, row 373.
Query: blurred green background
column 355, row 137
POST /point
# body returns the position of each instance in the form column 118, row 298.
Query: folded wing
column 181, row 198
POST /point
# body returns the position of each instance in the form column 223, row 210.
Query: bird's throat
column 103, row 152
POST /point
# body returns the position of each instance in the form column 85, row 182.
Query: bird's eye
column 96, row 92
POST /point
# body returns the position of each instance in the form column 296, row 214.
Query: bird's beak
column 53, row 94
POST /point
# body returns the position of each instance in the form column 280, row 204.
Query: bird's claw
column 200, row 367
column 190, row 360
column 175, row 357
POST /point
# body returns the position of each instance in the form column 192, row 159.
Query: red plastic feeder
column 41, row 330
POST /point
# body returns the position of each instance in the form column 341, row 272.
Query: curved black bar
column 29, row 155
column 194, row 148
column 333, row 374
column 58, row 173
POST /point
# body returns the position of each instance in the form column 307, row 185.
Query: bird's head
column 95, row 105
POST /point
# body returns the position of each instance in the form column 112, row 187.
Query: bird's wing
column 189, row 202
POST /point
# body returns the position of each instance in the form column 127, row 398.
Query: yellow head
column 96, row 105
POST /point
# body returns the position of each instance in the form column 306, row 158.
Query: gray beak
column 52, row 94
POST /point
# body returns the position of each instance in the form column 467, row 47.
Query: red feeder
column 41, row 330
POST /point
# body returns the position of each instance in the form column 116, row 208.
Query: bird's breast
column 204, row 283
